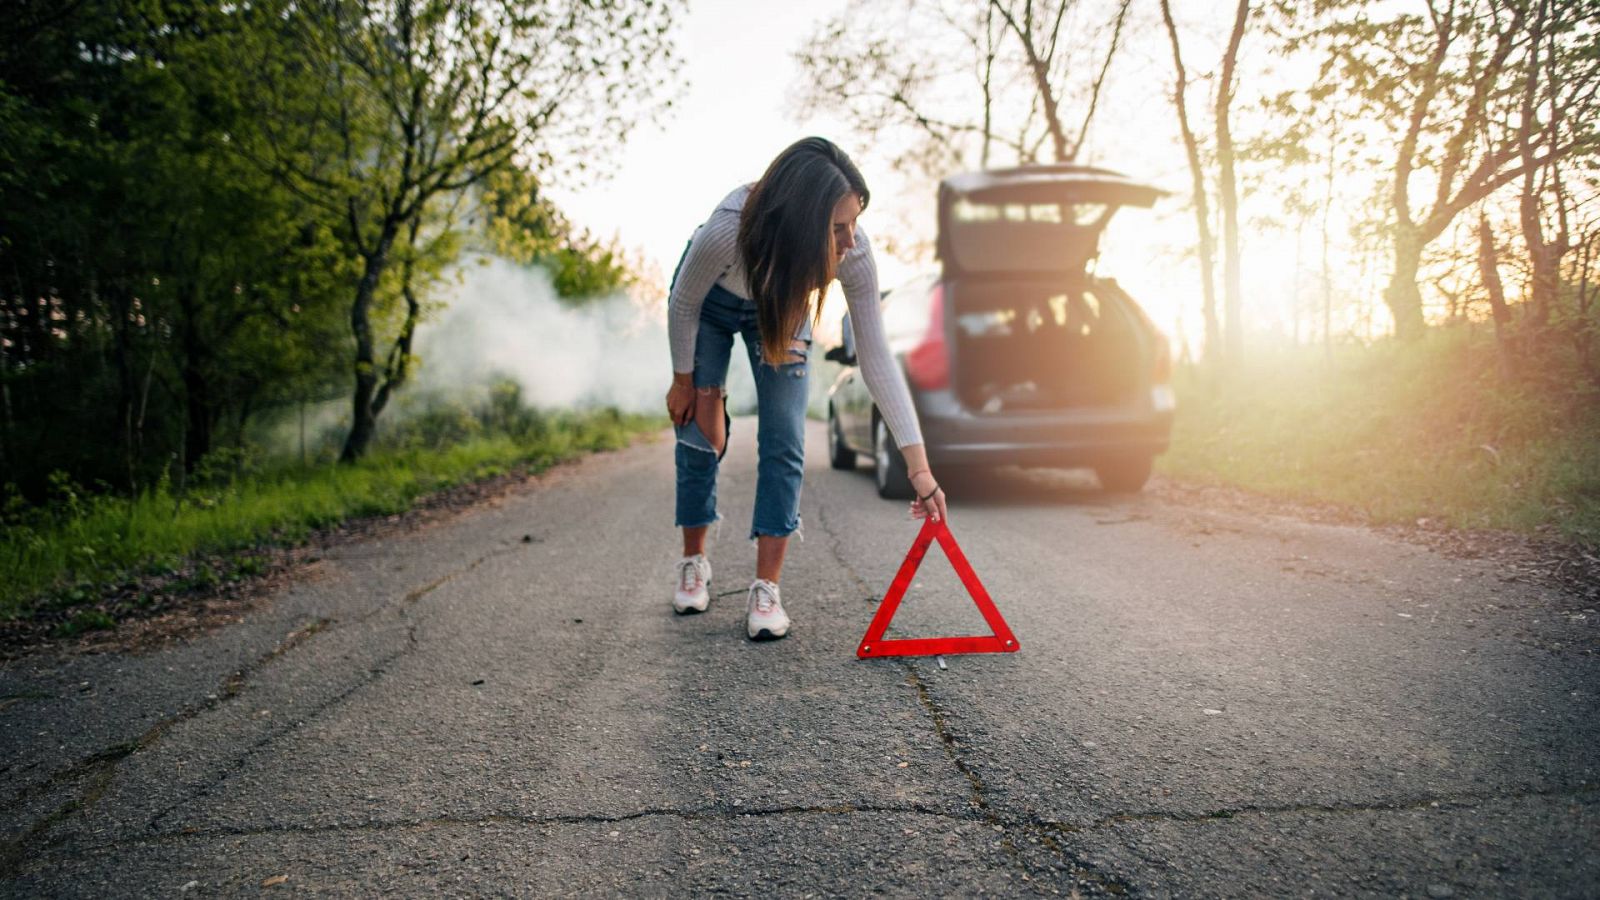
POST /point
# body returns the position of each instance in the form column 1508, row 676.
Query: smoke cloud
column 505, row 320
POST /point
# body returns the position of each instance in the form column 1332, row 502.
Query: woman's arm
column 711, row 252
column 858, row 275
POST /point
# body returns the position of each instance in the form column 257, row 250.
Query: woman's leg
column 781, row 393
column 699, row 450
column 700, row 442
column 769, row 557
column 708, row 415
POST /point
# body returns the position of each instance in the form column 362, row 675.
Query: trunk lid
column 1032, row 219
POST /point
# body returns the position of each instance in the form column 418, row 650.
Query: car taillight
column 928, row 363
column 1161, row 372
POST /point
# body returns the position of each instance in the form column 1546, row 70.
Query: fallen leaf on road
column 274, row 881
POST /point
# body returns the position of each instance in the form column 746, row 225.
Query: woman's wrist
column 916, row 457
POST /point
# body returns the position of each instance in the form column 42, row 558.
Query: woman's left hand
column 930, row 497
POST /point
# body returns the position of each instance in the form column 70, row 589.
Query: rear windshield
column 1023, row 234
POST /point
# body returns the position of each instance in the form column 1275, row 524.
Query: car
column 1016, row 350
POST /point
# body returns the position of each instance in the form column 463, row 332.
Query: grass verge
column 1442, row 429
column 59, row 559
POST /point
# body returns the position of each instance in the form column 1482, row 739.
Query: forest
column 216, row 212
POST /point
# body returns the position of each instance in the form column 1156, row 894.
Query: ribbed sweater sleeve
column 858, row 274
column 712, row 252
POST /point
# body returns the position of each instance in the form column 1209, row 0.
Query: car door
column 851, row 401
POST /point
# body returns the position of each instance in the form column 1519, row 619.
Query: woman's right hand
column 680, row 398
column 929, row 497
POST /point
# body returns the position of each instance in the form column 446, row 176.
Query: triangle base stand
column 873, row 644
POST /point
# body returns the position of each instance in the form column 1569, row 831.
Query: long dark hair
column 786, row 237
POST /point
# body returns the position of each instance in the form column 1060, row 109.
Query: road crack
column 714, row 813
column 1465, row 801
column 1081, row 872
column 96, row 772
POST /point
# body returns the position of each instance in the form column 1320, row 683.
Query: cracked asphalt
column 1206, row 704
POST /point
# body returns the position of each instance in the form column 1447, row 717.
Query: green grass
column 1436, row 430
column 66, row 555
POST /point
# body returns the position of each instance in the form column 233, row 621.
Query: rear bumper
column 1078, row 437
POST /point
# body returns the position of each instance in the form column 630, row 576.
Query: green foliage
column 85, row 620
column 1437, row 430
column 62, row 555
column 523, row 226
column 197, row 198
column 158, row 284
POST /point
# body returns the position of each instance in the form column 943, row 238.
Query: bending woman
column 760, row 267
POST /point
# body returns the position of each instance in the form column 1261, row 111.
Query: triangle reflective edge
column 873, row 645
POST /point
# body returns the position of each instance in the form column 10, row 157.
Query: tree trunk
column 1327, row 270
column 1232, row 280
column 122, row 308
column 1207, row 249
column 1544, row 256
column 1489, row 269
column 196, row 392
column 364, row 420
column 398, row 366
column 1402, row 296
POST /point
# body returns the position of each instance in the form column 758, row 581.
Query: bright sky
column 737, row 57
column 736, row 115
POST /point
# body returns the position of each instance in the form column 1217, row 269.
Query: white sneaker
column 765, row 619
column 694, row 576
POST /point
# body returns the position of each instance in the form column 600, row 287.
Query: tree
column 388, row 111
column 885, row 67
column 1228, row 187
column 1445, row 82
column 1200, row 192
column 142, row 259
column 1557, row 107
column 522, row 225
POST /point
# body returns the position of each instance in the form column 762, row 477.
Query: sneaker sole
column 765, row 634
column 689, row 610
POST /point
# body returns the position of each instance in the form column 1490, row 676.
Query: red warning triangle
column 873, row 644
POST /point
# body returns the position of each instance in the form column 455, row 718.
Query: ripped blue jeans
column 781, row 393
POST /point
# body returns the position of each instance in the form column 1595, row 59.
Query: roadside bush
column 1443, row 429
column 62, row 555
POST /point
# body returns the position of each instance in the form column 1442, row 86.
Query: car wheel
column 1124, row 476
column 889, row 465
column 840, row 456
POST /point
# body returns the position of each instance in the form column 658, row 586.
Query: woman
column 760, row 268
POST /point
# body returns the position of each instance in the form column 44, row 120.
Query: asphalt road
column 1206, row 703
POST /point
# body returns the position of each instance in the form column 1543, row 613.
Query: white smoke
column 504, row 320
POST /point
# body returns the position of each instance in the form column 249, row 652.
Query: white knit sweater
column 713, row 258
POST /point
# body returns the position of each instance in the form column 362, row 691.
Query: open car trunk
column 1038, row 345
column 1030, row 328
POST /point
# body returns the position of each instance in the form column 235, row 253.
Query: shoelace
column 688, row 575
column 766, row 598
